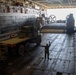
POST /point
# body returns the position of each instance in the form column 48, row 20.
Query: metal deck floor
column 62, row 58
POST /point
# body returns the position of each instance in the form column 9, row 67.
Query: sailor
column 47, row 49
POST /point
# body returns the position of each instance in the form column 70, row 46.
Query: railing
column 7, row 35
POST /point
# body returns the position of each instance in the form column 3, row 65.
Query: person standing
column 47, row 49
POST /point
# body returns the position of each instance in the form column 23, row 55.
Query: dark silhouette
column 47, row 49
column 70, row 24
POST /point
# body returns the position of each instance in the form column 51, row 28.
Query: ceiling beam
column 41, row 1
column 40, row 4
column 53, row 3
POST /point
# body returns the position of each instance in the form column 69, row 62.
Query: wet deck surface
column 62, row 58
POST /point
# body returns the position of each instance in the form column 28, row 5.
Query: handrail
column 7, row 35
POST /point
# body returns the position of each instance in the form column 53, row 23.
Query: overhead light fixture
column 26, row 2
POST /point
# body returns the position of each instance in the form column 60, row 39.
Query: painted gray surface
column 12, row 21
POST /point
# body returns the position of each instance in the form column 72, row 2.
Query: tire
column 27, row 47
column 21, row 50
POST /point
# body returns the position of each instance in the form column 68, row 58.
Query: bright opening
column 62, row 13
